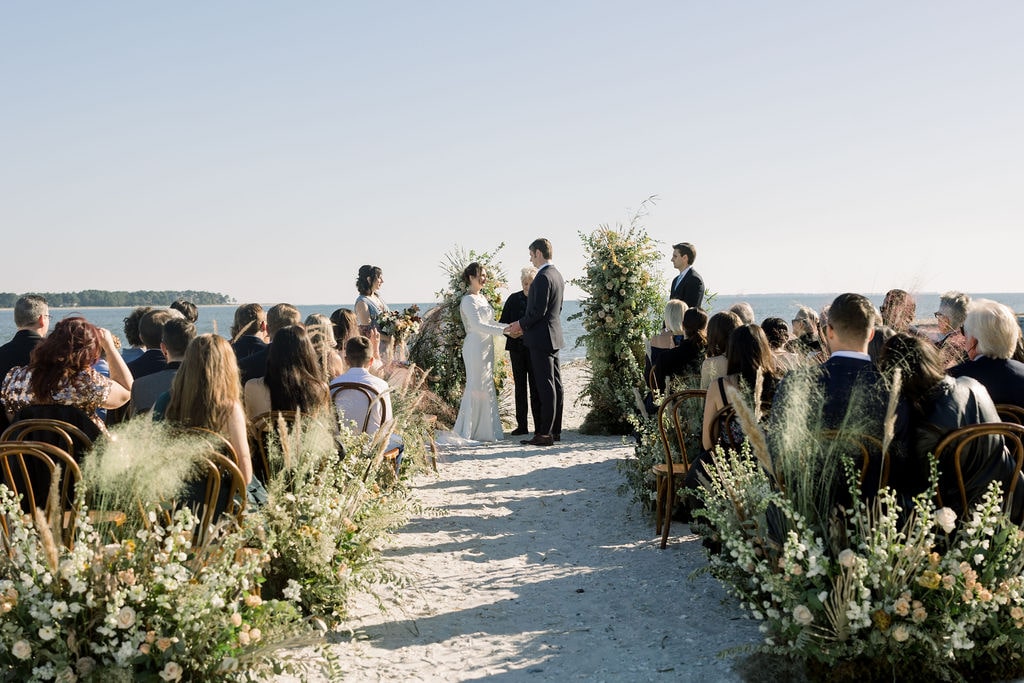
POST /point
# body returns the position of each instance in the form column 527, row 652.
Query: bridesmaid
column 369, row 305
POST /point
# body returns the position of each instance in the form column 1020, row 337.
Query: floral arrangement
column 151, row 605
column 400, row 324
column 622, row 310
column 439, row 349
column 879, row 591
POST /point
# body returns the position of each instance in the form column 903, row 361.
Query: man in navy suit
column 32, row 317
column 151, row 331
column 991, row 330
column 688, row 285
column 541, row 329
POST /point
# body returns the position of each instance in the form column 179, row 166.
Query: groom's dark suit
column 542, row 335
column 689, row 289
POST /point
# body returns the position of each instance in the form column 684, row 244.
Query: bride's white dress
column 478, row 414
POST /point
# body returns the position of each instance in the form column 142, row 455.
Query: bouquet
column 400, row 324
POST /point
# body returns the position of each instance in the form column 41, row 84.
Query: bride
column 478, row 414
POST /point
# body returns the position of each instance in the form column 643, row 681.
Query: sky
column 267, row 150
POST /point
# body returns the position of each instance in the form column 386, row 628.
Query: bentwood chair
column 264, row 428
column 865, row 449
column 680, row 419
column 1010, row 413
column 64, row 435
column 951, row 449
column 223, row 494
column 28, row 469
column 374, row 404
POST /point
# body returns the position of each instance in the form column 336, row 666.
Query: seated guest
column 992, row 335
column 898, row 310
column 151, row 331
column 672, row 334
column 321, row 335
column 776, row 331
column 278, row 317
column 720, row 326
column 187, row 309
column 745, row 311
column 345, row 327
column 937, row 404
column 750, row 364
column 61, row 371
column 807, row 342
column 950, row 316
column 248, row 331
column 131, row 334
column 685, row 359
column 352, row 407
column 292, row 380
column 32, row 318
column 205, row 393
column 177, row 334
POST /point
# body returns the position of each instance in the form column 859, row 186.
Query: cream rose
column 946, row 519
column 21, row 649
column 172, row 672
column 846, row 558
column 802, row 615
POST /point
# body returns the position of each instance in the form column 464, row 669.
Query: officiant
column 519, row 355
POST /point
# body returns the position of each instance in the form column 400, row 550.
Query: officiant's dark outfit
column 542, row 334
column 519, row 357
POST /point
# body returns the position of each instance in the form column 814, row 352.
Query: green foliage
column 621, row 311
column 438, row 347
column 98, row 297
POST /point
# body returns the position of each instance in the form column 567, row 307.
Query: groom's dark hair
column 686, row 249
column 543, row 246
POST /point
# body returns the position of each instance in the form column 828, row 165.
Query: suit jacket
column 542, row 323
column 17, row 351
column 514, row 309
column 247, row 345
column 690, row 289
column 153, row 360
column 1003, row 377
column 146, row 390
column 254, row 366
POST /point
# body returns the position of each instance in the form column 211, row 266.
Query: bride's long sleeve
column 474, row 319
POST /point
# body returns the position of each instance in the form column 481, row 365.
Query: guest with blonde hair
column 321, row 334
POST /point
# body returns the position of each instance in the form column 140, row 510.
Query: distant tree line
column 97, row 297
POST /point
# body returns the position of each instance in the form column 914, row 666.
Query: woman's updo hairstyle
column 472, row 270
column 367, row 276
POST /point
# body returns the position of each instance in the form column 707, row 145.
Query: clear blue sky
column 266, row 150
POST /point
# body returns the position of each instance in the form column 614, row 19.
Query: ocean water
column 218, row 318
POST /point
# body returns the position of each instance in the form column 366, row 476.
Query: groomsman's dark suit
column 1003, row 377
column 246, row 345
column 17, row 351
column 542, row 334
column 689, row 288
column 519, row 356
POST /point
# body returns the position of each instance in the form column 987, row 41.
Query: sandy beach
column 527, row 565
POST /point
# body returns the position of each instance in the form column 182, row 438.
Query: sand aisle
column 527, row 565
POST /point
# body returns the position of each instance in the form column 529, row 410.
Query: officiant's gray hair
column 527, row 274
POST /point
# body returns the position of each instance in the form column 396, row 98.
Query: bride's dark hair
column 472, row 270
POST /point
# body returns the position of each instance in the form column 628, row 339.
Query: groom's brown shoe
column 539, row 440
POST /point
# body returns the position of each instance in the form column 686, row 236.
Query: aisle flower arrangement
column 439, row 346
column 621, row 311
column 877, row 592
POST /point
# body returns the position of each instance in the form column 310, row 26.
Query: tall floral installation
column 140, row 600
column 620, row 312
column 880, row 590
column 438, row 348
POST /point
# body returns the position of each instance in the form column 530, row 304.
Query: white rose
column 802, row 615
column 21, row 649
column 126, row 617
column 946, row 519
column 901, row 633
column 846, row 558
column 172, row 672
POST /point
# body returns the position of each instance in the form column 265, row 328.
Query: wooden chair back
column 863, row 446
column 224, row 493
column 953, row 445
column 58, row 433
column 262, row 429
column 372, row 399
column 680, row 419
column 1010, row 413
column 28, row 468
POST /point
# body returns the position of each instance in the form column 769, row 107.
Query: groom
column 541, row 329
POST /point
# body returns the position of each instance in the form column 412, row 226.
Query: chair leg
column 659, row 492
column 670, row 503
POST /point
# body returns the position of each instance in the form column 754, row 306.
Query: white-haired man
column 992, row 331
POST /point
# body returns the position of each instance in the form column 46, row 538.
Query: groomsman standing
column 541, row 329
column 688, row 286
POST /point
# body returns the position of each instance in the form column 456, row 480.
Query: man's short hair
column 543, row 246
column 28, row 308
column 151, row 327
column 852, row 316
column 357, row 351
column 686, row 249
column 187, row 309
column 248, row 320
column 282, row 316
column 994, row 326
column 178, row 332
column 953, row 305
column 745, row 311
